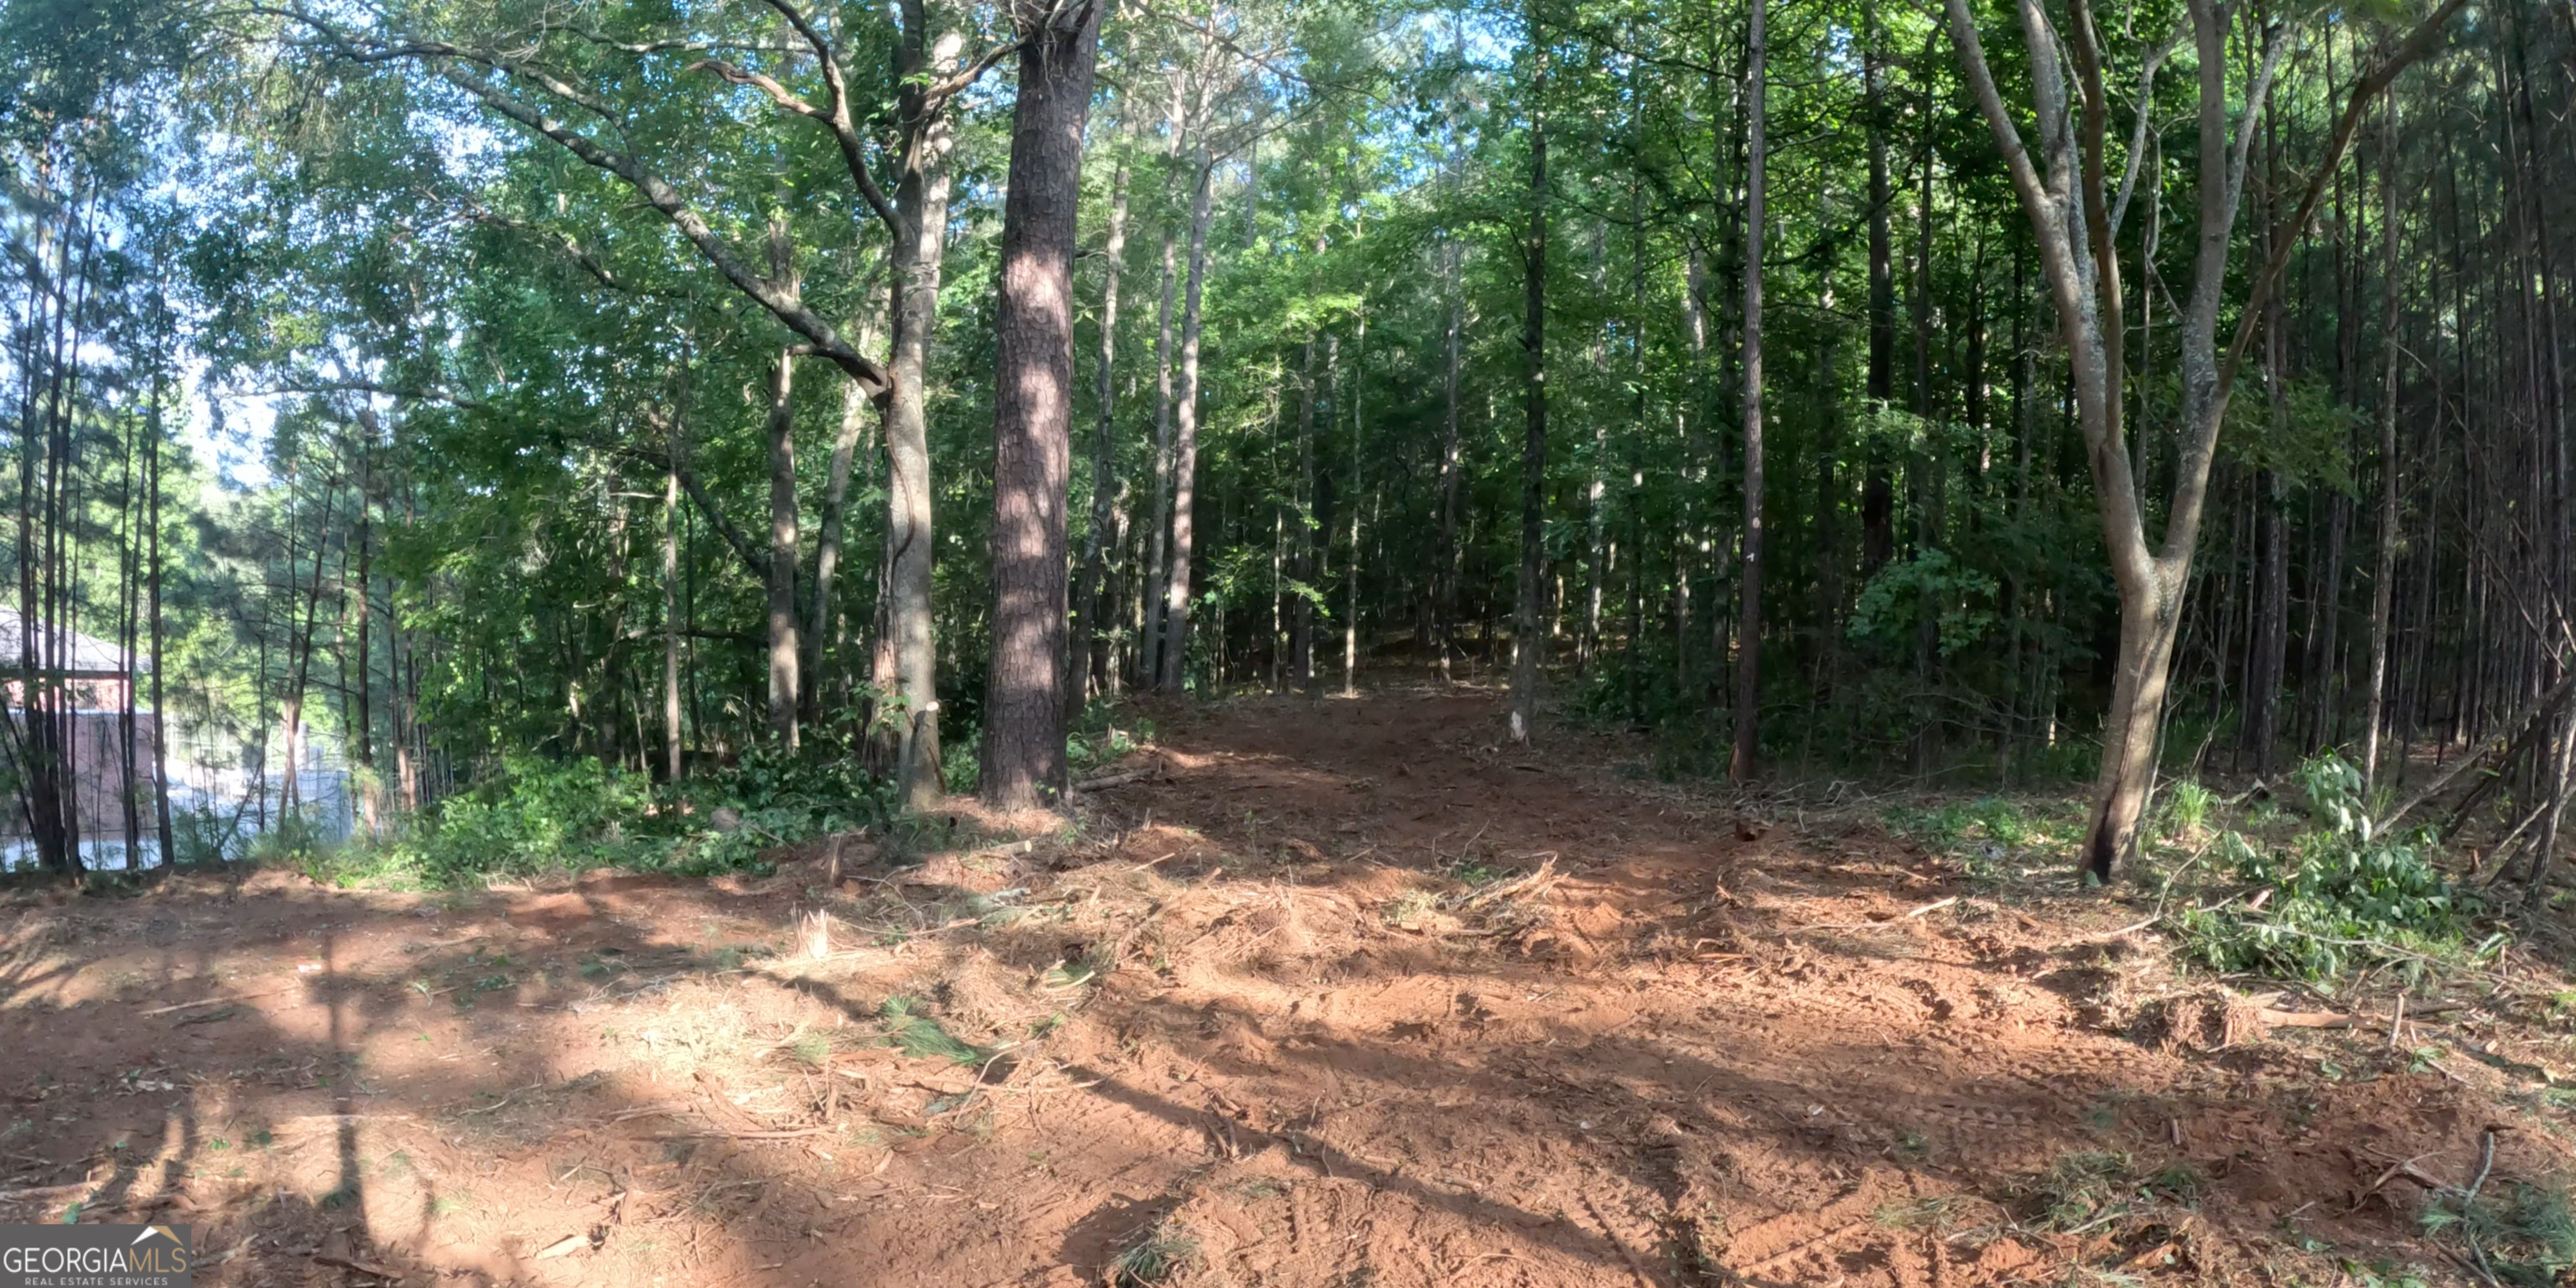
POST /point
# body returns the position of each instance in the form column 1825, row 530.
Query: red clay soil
column 1328, row 993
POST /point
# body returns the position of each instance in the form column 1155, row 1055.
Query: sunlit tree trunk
column 1023, row 752
column 1185, row 444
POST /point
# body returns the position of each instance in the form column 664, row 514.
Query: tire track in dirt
column 1279, row 1001
column 1597, row 1074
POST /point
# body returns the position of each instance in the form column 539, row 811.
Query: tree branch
column 444, row 60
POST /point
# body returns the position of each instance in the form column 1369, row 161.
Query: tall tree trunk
column 1529, row 641
column 363, row 725
column 1301, row 613
column 1158, row 537
column 671, row 730
column 129, row 545
column 822, row 617
column 1444, row 576
column 2271, row 642
column 782, row 550
column 1748, row 661
column 1351, row 565
column 1090, row 627
column 160, row 736
column 2070, row 215
column 1023, row 752
column 1878, row 492
column 2383, row 577
column 1185, row 444
column 2271, row 620
column 908, row 649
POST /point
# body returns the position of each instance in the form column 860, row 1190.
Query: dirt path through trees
column 1334, row 993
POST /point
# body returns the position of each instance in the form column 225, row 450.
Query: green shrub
column 535, row 815
column 1104, row 733
column 2341, row 895
column 540, row 815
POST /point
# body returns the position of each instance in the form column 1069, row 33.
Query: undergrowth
column 2525, row 1236
column 537, row 815
column 2340, row 894
column 1156, row 1259
column 1989, row 835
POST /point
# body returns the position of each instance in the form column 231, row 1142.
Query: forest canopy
column 1984, row 392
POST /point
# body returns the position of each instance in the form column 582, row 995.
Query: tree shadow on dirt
column 1688, row 1054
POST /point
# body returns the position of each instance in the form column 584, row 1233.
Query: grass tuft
column 1158, row 1258
column 921, row 1037
column 2080, row 1189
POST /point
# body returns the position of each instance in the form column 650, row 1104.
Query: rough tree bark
column 1351, row 566
column 1301, row 609
column 1158, row 554
column 1023, row 752
column 1444, row 576
column 1748, row 646
column 909, row 669
column 160, row 743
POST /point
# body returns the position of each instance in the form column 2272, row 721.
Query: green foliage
column 1961, row 600
column 1105, row 732
column 536, row 815
column 2341, row 896
column 2080, row 1189
column 780, row 798
column 2526, row 1236
column 540, row 815
column 1957, row 825
column 2308, row 441
column 922, row 1038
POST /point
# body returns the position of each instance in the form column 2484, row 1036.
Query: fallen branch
column 1094, row 784
column 2531, row 715
column 2346, row 1020
column 789, row 1134
column 211, row 1001
column 362, row 1267
column 2130, row 929
column 40, row 1191
column 1536, row 881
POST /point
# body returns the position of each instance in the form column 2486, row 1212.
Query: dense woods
column 1162, row 643
column 1998, row 393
